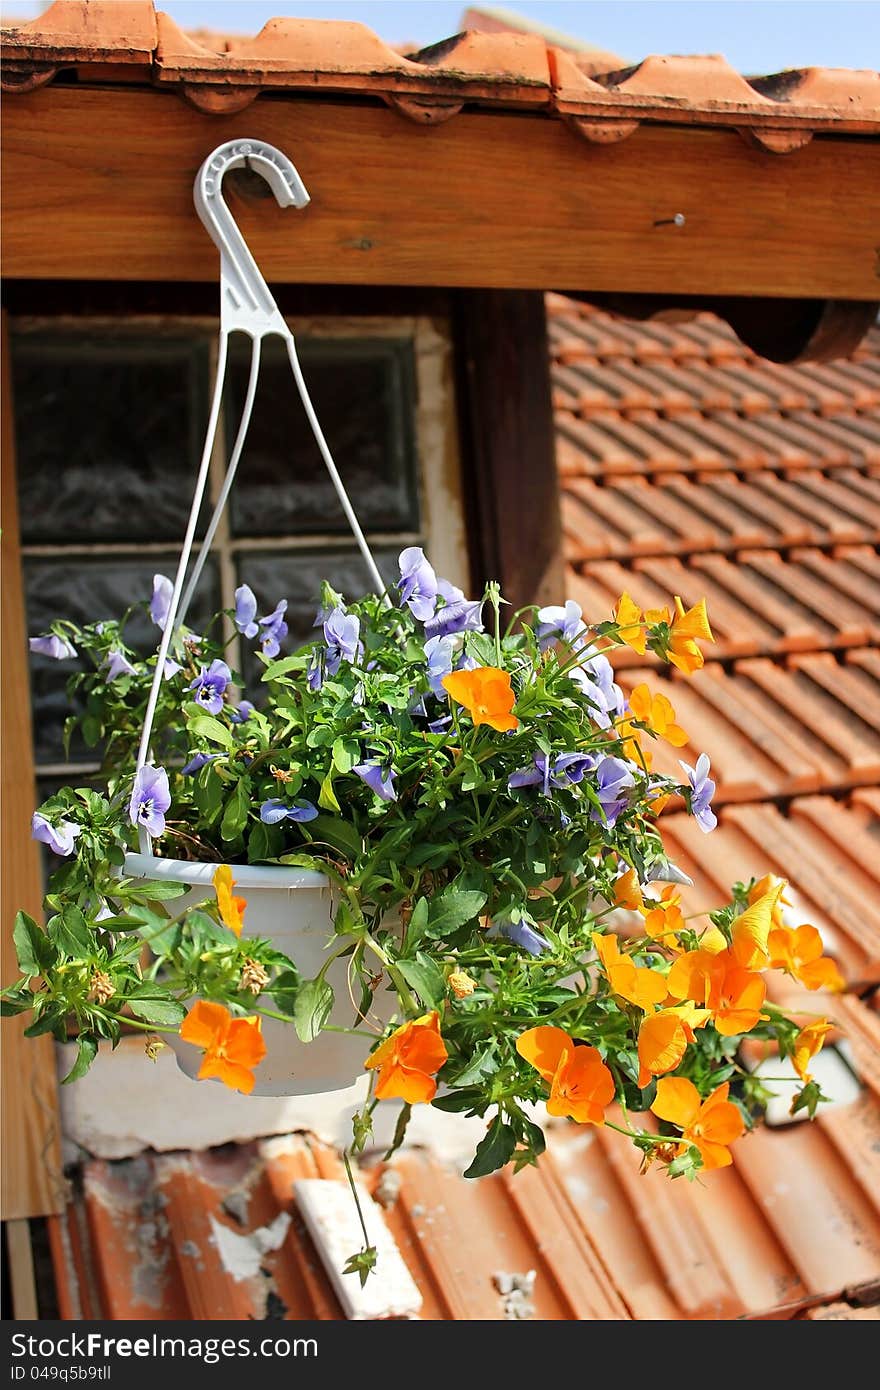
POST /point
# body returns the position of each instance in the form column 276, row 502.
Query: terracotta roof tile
column 781, row 112
column 157, row 1235
column 680, row 514
column 696, row 399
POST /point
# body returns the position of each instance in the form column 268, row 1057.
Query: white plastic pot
column 294, row 908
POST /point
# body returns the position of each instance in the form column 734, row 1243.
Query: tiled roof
column 605, row 103
column 690, row 466
column 794, row 1224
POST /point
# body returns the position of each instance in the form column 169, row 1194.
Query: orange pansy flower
column 717, row 982
column 762, row 886
column 580, row 1083
column 799, row 953
column 640, row 986
column 664, row 1037
column 749, row 932
column 709, row 1125
column 231, row 909
column 408, row 1059
column 628, row 617
column 658, row 714
column 626, row 891
column 664, row 919
column 486, row 694
column 662, row 1044
column 233, row 1046
column 684, row 629
column 807, row 1044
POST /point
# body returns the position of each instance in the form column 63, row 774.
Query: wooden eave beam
column 96, row 185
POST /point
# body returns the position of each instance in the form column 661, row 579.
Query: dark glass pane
column 364, row 394
column 86, row 591
column 297, row 577
column 109, row 434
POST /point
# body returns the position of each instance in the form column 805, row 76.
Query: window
column 110, row 417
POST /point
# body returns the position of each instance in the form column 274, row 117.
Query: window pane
column 109, row 433
column 364, row 394
column 87, row 591
column 297, row 577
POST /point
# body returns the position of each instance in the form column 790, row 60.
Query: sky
column 756, row 36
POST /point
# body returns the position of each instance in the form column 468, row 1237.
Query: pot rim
column 200, row 874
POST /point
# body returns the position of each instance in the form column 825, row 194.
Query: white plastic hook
column 246, row 302
column 246, row 306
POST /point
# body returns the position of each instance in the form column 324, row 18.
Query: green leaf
column 346, row 753
column 87, row 1051
column 48, row 1020
column 425, row 977
column 283, row 992
column 399, row 1131
column 418, row 924
column 431, row 856
column 161, row 936
column 15, row 999
column 236, row 813
column 280, row 668
column 91, row 730
column 452, row 908
column 362, row 1264
column 327, row 799
column 494, row 1150
column 469, row 1099
column 258, row 842
column 155, row 891
column 32, row 947
column 153, row 1005
column 483, row 1063
column 339, row 834
column 70, row 932
column 809, row 1099
column 311, row 1010
column 208, row 792
column 204, row 726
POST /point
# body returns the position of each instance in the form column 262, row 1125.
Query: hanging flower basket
column 294, row 909
column 424, row 852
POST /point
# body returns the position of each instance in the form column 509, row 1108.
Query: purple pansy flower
column 58, row 648
column 378, row 777
column 60, row 837
column 315, row 672
column 210, row 684
column 613, row 781
column 197, row 762
column 273, row 811
column 150, row 799
column 274, row 628
column 557, row 623
column 118, row 664
column 160, row 603
column 595, row 676
column 342, row 635
column 702, row 790
column 564, row 770
column 439, row 726
column 525, row 937
column 171, row 668
column 243, row 713
column 246, row 611
column 418, row 583
column 455, row 614
column 439, row 654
